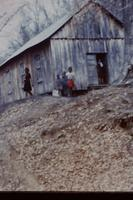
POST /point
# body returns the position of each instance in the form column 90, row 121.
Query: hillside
column 68, row 144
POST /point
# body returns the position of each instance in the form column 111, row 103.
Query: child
column 70, row 83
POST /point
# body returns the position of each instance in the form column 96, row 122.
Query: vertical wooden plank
column 16, row 82
column 2, row 86
column 38, row 73
column 20, row 71
column 1, row 95
column 47, row 67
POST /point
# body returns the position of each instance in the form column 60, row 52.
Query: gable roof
column 52, row 29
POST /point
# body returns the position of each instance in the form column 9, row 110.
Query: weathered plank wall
column 115, row 59
column 2, row 88
column 91, row 22
column 128, row 24
column 10, row 84
column 42, row 69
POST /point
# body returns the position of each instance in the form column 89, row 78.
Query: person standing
column 70, row 82
column 27, row 82
column 64, row 84
column 100, row 68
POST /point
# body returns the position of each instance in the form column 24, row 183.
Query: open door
column 102, row 68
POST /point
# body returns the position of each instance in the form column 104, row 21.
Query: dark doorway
column 102, row 68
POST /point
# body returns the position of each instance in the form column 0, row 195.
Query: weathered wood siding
column 115, row 59
column 91, row 22
column 10, row 84
column 1, row 88
column 42, row 69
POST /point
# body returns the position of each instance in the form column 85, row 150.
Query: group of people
column 64, row 84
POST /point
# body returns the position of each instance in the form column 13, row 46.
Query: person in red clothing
column 70, row 81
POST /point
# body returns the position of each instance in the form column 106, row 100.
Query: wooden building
column 79, row 40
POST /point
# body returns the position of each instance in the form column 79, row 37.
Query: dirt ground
column 83, row 143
